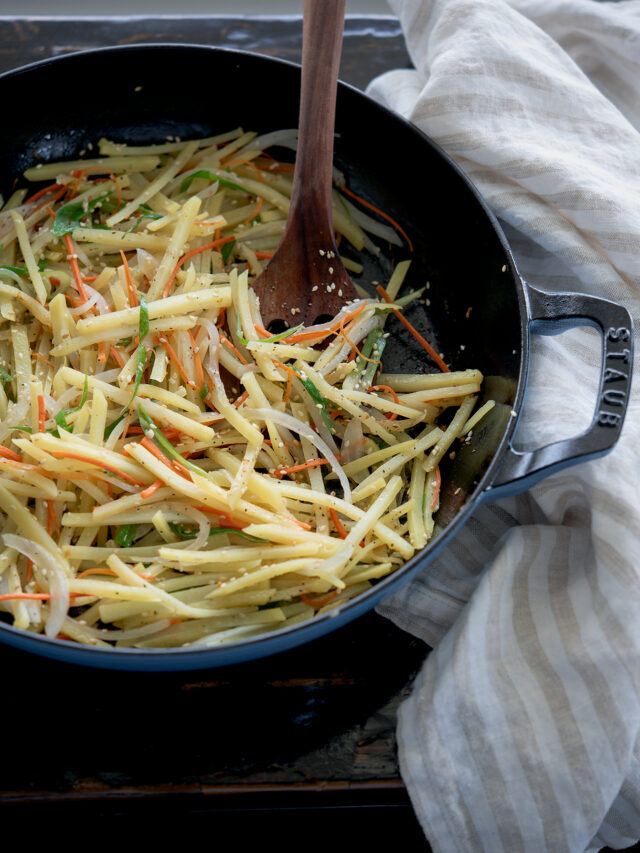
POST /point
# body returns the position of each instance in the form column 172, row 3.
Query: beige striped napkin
column 522, row 731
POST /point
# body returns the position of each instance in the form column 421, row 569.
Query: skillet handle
column 550, row 314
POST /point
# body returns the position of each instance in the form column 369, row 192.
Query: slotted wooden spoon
column 305, row 280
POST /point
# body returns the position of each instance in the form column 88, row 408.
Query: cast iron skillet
column 481, row 312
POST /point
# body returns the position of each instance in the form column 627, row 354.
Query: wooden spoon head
column 305, row 281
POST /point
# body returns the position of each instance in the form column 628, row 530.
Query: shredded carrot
column 174, row 358
column 424, row 343
column 75, row 269
column 9, row 454
column 152, row 489
column 264, row 255
column 255, row 211
column 89, row 278
column 318, row 602
column 52, row 520
column 34, row 596
column 234, row 349
column 51, row 188
column 66, row 454
column 226, row 519
column 392, row 415
column 133, row 296
column 42, row 358
column 237, row 403
column 436, row 491
column 312, row 463
column 116, row 356
column 97, row 571
column 170, row 463
column 42, row 415
column 305, row 336
column 213, row 245
column 102, row 352
column 380, row 213
column 337, row 523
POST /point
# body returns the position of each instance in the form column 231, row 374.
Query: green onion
column 164, row 444
column 317, row 398
column 61, row 417
column 185, row 532
column 209, row 176
column 226, row 250
column 141, row 358
column 68, row 217
column 125, row 535
column 358, row 376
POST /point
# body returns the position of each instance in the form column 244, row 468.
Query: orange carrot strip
column 213, row 245
column 102, row 352
column 337, row 523
column 133, row 296
column 75, row 269
column 265, row 255
column 287, row 392
column 255, row 211
column 312, row 463
column 42, row 358
column 89, row 278
column 380, row 213
column 318, row 602
column 51, row 188
column 392, row 415
column 436, row 491
column 427, row 346
column 230, row 346
column 35, row 596
column 52, row 520
column 152, row 489
column 97, row 571
column 174, row 358
column 117, row 357
column 66, row 454
column 42, row 415
column 305, row 336
column 9, row 454
column 155, row 451
column 237, row 403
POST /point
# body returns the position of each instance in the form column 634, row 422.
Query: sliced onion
column 323, row 327
column 301, row 428
column 55, row 580
column 367, row 223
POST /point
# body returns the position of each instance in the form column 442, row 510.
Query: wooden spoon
column 305, row 280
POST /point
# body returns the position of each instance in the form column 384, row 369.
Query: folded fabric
column 522, row 730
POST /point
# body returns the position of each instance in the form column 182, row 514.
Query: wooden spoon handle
column 321, row 48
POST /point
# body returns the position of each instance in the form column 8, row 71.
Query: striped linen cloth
column 522, row 730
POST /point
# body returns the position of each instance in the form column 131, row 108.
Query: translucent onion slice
column 301, row 428
column 55, row 579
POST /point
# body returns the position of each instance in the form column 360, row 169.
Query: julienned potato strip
column 171, row 472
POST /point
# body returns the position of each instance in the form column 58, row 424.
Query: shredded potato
column 173, row 474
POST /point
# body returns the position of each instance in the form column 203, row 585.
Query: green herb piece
column 68, row 217
column 281, row 336
column 164, row 444
column 362, row 373
column 143, row 322
column 124, row 342
column 203, row 392
column 61, row 417
column 373, row 366
column 319, row 400
column 148, row 213
column 21, row 271
column 109, row 429
column 125, row 535
column 209, row 176
column 187, row 532
column 23, row 428
column 226, row 250
column 7, row 381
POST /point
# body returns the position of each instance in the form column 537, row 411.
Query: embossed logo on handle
column 615, row 352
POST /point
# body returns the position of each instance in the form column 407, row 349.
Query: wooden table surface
column 304, row 740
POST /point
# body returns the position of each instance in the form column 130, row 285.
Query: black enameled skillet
column 481, row 311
